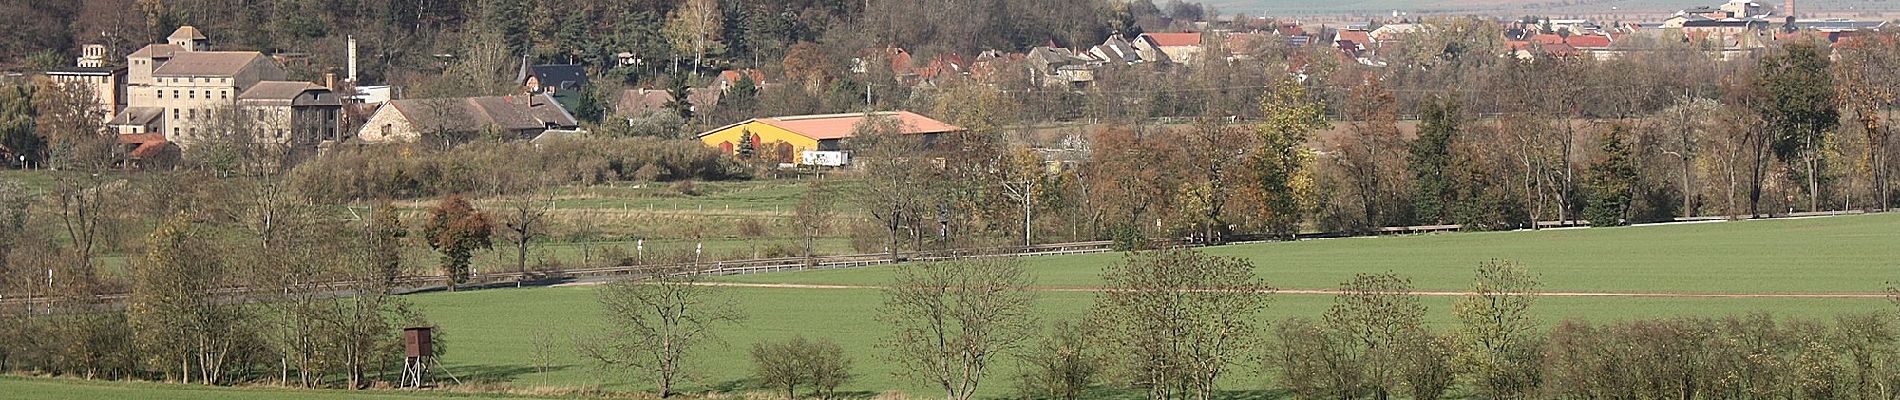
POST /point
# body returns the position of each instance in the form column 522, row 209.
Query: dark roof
column 557, row 75
column 137, row 116
column 207, row 63
column 508, row 112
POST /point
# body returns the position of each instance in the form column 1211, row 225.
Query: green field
column 76, row 389
column 489, row 332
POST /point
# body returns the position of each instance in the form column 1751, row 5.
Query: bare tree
column 654, row 325
column 815, row 209
column 1180, row 318
column 525, row 218
column 951, row 320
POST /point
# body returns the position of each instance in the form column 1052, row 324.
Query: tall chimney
column 1788, row 9
column 352, row 77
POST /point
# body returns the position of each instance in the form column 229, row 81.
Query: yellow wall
column 768, row 137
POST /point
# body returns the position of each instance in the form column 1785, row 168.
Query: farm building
column 785, row 138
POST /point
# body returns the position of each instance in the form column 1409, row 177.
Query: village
column 958, row 199
column 158, row 98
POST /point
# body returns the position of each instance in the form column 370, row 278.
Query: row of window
column 194, row 79
column 193, row 94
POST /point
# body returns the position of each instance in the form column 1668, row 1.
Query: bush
column 1063, row 366
column 686, row 187
column 820, row 364
column 400, row 171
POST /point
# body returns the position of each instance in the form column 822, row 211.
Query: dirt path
column 1330, row 292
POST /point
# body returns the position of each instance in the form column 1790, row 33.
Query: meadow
column 492, row 334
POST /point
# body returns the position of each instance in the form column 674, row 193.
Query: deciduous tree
column 456, row 229
column 951, row 320
column 1180, row 319
column 654, row 325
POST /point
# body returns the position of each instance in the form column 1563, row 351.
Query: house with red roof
column 1181, row 47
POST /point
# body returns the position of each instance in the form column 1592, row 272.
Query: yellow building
column 783, row 139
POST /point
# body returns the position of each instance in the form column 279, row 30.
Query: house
column 638, row 102
column 107, row 84
column 300, row 114
column 1056, row 66
column 1353, row 41
column 727, row 78
column 785, row 139
column 149, row 151
column 517, row 116
column 1393, row 32
column 1180, row 47
column 554, row 79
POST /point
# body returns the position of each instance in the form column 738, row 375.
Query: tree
column 1498, row 330
column 367, row 322
column 1612, row 182
column 746, row 150
column 950, row 320
column 1432, row 162
column 18, row 140
column 694, row 29
column 184, row 322
column 456, row 229
column 526, row 218
column 821, row 364
column 1063, row 364
column 655, row 324
column 69, row 119
column 1801, row 108
column 1180, row 318
column 1021, row 174
column 898, row 177
column 1372, row 155
column 815, row 209
column 1283, row 164
column 1382, row 319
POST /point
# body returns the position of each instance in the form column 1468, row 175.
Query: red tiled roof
column 149, row 144
column 1362, row 38
column 1175, row 39
column 1589, row 41
column 839, row 126
column 758, row 78
column 1547, row 38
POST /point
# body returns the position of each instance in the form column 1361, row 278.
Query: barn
column 784, row 138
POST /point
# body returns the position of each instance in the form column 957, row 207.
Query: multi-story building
column 189, row 93
column 106, row 82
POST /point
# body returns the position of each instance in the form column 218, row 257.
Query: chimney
column 329, row 80
column 1788, row 9
column 352, row 76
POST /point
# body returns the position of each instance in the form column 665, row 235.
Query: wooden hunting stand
column 419, row 358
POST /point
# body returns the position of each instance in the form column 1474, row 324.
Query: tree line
column 1177, row 324
column 1791, row 131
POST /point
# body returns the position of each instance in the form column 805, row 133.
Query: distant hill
column 1627, row 9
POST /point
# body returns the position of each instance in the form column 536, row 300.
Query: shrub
column 820, row 364
column 401, row 171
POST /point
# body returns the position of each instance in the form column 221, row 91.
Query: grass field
column 76, row 389
column 490, row 333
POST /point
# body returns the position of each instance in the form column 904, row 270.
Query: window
column 193, row 94
column 174, row 113
column 223, row 95
column 174, row 94
column 192, row 113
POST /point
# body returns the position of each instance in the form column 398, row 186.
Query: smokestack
column 1788, row 9
column 352, row 77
